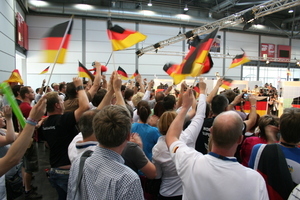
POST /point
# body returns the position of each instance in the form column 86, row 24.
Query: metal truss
column 246, row 16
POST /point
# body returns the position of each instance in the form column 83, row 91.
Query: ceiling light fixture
column 186, row 8
column 149, row 4
column 267, row 62
column 291, row 11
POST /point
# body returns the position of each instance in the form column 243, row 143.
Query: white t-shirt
column 207, row 177
column 75, row 149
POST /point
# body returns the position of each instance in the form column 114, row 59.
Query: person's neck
column 56, row 112
column 90, row 138
column 118, row 149
column 287, row 144
column 223, row 152
column 26, row 100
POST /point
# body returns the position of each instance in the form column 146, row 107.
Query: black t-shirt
column 59, row 131
column 202, row 140
column 134, row 156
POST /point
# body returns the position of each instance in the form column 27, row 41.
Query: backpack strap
column 83, row 157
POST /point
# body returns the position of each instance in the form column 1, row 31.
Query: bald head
column 226, row 129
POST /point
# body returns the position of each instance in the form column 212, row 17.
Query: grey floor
column 41, row 180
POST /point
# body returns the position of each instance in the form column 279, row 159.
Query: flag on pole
column 171, row 69
column 84, row 72
column 45, row 70
column 193, row 63
column 53, row 41
column 121, row 38
column 135, row 74
column 239, row 60
column 15, row 77
column 122, row 73
column 208, row 64
column 226, row 84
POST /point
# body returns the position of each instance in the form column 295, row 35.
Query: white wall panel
column 295, row 52
column 7, row 10
column 236, row 41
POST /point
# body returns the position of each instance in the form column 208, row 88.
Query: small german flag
column 45, row 70
column 171, row 69
column 121, row 38
column 84, row 72
column 135, row 74
column 122, row 73
column 227, row 82
column 239, row 60
column 53, row 41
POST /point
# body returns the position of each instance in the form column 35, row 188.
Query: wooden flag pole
column 60, row 47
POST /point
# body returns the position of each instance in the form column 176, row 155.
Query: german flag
column 15, row 77
column 171, row 69
column 239, row 60
column 84, row 72
column 45, row 70
column 53, row 41
column 122, row 73
column 227, row 82
column 193, row 63
column 135, row 74
column 121, row 38
column 208, row 64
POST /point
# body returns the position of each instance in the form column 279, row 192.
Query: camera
column 245, row 96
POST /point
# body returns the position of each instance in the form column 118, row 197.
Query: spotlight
column 156, row 46
column 149, row 4
column 267, row 62
column 186, row 8
column 247, row 26
column 139, row 53
column 291, row 11
column 189, row 34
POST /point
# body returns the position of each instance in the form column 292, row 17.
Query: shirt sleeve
column 190, row 134
column 138, row 156
column 146, row 96
column 183, row 156
column 253, row 156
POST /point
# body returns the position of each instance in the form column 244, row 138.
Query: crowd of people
column 109, row 140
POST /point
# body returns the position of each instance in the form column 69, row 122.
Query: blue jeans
column 60, row 183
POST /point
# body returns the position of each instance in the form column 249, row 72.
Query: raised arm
column 252, row 115
column 146, row 96
column 10, row 131
column 83, row 101
column 18, row 148
column 117, row 82
column 183, row 87
column 214, row 91
column 177, row 124
column 96, row 84
column 108, row 96
column 190, row 134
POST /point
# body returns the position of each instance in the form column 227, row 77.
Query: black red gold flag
column 239, row 60
column 45, row 70
column 56, row 38
column 122, row 73
column 122, row 38
column 84, row 72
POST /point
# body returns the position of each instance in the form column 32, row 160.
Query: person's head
column 62, row 87
column 112, row 126
column 290, row 126
column 16, row 90
column 55, row 86
column 128, row 94
column 85, row 123
column 98, row 97
column 27, row 93
column 227, row 130
column 159, row 96
column 158, row 109
column 137, row 98
column 47, row 89
column 256, row 86
column 169, row 102
column 230, row 95
column 54, row 102
column 71, row 91
column 219, row 104
column 143, row 110
column 264, row 121
column 165, row 121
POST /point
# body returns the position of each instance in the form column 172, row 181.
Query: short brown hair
column 266, row 120
column 52, row 99
column 290, row 125
column 165, row 121
column 112, row 125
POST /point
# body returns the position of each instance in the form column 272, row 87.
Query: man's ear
column 240, row 140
